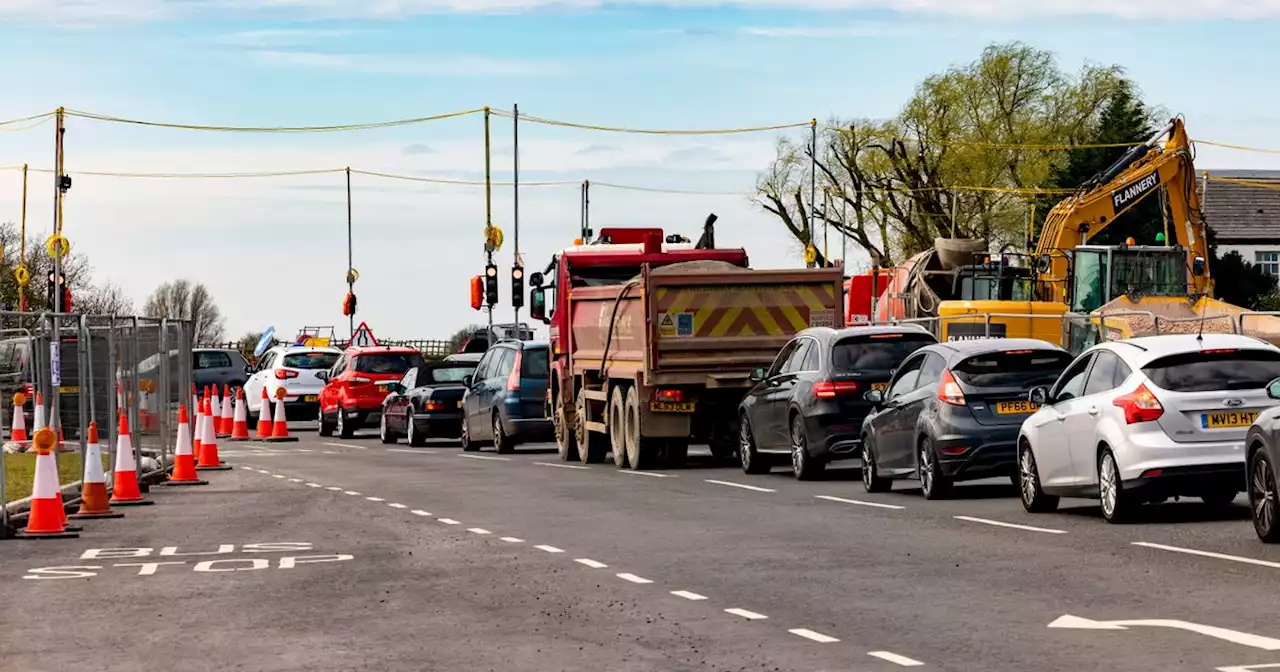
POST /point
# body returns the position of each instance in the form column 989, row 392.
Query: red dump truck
column 653, row 341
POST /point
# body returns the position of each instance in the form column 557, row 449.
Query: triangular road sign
column 363, row 336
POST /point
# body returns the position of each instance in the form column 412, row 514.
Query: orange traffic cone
column 240, row 421
column 280, row 428
column 93, row 492
column 19, row 433
column 209, row 460
column 197, row 432
column 125, row 491
column 184, row 463
column 47, row 519
column 225, row 419
column 195, row 405
column 264, row 416
column 37, row 418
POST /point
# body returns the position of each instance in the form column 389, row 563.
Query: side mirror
column 396, row 388
column 323, row 375
column 874, row 396
column 467, row 380
column 1273, row 389
column 757, row 374
column 1197, row 267
column 538, row 304
column 248, row 369
column 1038, row 395
column 535, row 279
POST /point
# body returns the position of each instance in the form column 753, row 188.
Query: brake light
column 1017, row 352
column 435, row 406
column 513, row 378
column 886, row 335
column 830, row 390
column 668, row 395
column 283, row 374
column 1139, row 406
column 949, row 391
column 1219, row 351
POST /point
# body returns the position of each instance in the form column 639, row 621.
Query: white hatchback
column 292, row 368
column 1141, row 420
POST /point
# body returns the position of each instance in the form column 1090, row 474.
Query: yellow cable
column 1244, row 148
column 648, row 131
column 659, row 190
column 15, row 128
column 469, row 183
column 991, row 145
column 35, row 117
column 202, row 176
column 273, row 129
column 1260, row 184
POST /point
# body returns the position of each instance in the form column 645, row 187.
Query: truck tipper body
column 653, row 343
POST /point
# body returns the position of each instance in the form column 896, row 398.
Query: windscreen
column 875, row 352
column 449, row 374
column 1014, row 368
column 388, row 362
column 309, row 360
column 1213, row 370
column 533, row 363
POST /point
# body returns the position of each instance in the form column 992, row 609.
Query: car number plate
column 1011, row 407
column 668, row 407
column 880, row 386
column 311, row 397
column 1227, row 419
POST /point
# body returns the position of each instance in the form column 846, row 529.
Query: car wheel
column 1033, row 498
column 384, row 432
column 345, row 430
column 1262, row 498
column 643, row 452
column 618, row 427
column 501, row 442
column 804, row 466
column 566, row 442
column 464, row 437
column 592, row 446
column 933, row 483
column 323, row 428
column 752, row 461
column 1117, row 505
column 411, row 430
column 871, row 481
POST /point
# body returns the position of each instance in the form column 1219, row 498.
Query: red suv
column 355, row 387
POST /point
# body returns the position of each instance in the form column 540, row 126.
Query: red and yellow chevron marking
column 769, row 310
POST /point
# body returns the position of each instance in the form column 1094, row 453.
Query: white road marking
column 644, row 473
column 248, row 468
column 397, row 505
column 486, row 457
column 815, row 636
column 688, row 595
column 314, row 485
column 277, row 476
column 303, row 450
column 859, row 502
column 998, row 523
column 1225, row 634
column 345, row 445
column 327, row 452
column 895, row 658
column 420, row 512
column 375, row 499
column 1248, row 668
column 549, row 549
column 478, row 530
column 353, row 493
column 626, row 576
column 749, row 615
column 419, row 451
column 593, row 564
column 448, row 521
column 295, row 480
column 560, row 466
column 512, row 540
column 333, row 487
column 263, row 471
column 738, row 485
column 1208, row 554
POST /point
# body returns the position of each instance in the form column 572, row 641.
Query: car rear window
column 533, row 363
column 450, row 374
column 388, row 362
column 875, row 352
column 1213, row 370
column 309, row 360
column 1013, row 368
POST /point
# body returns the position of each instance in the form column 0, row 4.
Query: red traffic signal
column 477, row 292
column 349, row 304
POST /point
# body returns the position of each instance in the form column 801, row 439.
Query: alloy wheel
column 926, row 469
column 408, row 429
column 797, row 447
column 1108, row 491
column 1262, row 494
column 744, row 444
column 1027, row 470
column 868, row 466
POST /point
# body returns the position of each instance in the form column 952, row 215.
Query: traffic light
column 56, row 282
column 491, row 285
column 517, row 286
column 477, row 292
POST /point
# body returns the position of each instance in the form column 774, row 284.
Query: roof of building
column 1242, row 212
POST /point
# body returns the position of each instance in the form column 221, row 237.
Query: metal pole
column 488, row 211
column 22, row 254
column 515, row 202
column 162, row 393
column 55, row 342
column 586, row 211
column 826, row 226
column 350, row 262
column 813, row 181
column 113, row 406
column 133, row 398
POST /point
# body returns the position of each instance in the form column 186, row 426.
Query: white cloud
column 410, row 65
column 279, row 38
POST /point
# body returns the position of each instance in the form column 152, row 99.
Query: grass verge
column 20, row 469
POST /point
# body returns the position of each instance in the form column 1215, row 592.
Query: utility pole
column 60, row 184
column 586, row 212
column 351, row 318
column 488, row 212
column 813, row 183
column 516, row 301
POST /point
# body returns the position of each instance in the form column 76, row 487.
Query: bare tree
column 185, row 300
column 104, row 299
column 459, row 337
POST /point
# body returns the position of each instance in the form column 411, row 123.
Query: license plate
column 311, row 397
column 880, row 386
column 1011, row 407
column 1227, row 419
column 69, row 389
column 668, row 407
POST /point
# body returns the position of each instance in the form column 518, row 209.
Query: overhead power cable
column 274, row 129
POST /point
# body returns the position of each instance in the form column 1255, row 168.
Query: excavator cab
column 1100, row 273
column 1000, row 280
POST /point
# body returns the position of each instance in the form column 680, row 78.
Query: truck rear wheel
column 566, row 441
column 618, row 427
column 642, row 452
column 592, row 446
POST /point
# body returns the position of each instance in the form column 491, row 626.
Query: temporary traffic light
column 477, row 292
column 491, row 285
column 517, row 286
column 54, row 283
column 349, row 304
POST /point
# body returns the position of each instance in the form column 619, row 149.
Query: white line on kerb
column 998, row 523
column 375, row 499
column 815, row 636
column 645, row 473
column 1208, row 554
column 627, row 576
column 560, row 466
column 739, row 485
column 397, row 505
column 448, row 521
column 895, row 658
column 486, row 457
column 749, row 615
column 688, row 595
column 859, row 502
column 314, row 485
column 353, row 493
column 478, row 530
column 512, row 540
column 549, row 549
column 333, row 487
column 593, row 564
column 420, row 512
column 345, row 445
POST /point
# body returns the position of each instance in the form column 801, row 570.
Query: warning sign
column 666, row 325
column 363, row 337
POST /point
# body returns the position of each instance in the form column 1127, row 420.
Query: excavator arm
column 1138, row 174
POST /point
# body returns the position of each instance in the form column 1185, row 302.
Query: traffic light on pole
column 491, row 285
column 477, row 292
column 517, row 286
column 55, row 283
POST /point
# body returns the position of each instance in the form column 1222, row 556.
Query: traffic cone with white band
column 209, row 460
column 93, row 492
column 226, row 419
column 215, row 410
column 125, row 490
column 184, row 463
column 280, row 428
column 46, row 519
column 240, row 421
column 264, row 416
column 19, row 433
column 37, row 418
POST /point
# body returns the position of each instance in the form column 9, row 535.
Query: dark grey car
column 209, row 366
column 1263, row 459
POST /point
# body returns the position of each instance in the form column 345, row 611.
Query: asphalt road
column 376, row 557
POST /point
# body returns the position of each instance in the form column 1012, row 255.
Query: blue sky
column 273, row 251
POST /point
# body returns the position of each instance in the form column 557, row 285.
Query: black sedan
column 1263, row 459
column 952, row 413
column 809, row 404
column 426, row 403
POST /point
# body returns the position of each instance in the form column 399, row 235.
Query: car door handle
column 1093, row 410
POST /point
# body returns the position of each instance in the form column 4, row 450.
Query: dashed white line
column 859, row 502
column 815, row 636
column 327, row 452
column 314, row 485
column 375, row 499
column 478, row 530
column 593, row 564
column 248, row 468
column 345, row 445
column 560, row 466
column 420, row 512
column 277, row 476
column 749, row 615
column 652, row 474
column 627, row 576
column 263, row 471
column 397, row 505
column 895, row 658
column 512, row 540
column 549, row 549
column 448, row 521
column 333, row 487
column 303, row 450
column 419, row 451
column 353, row 493
column 997, row 523
column 295, row 480
column 688, row 595
column 738, row 485
column 486, row 457
column 1209, row 554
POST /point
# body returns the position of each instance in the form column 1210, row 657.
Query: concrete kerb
column 18, row 510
